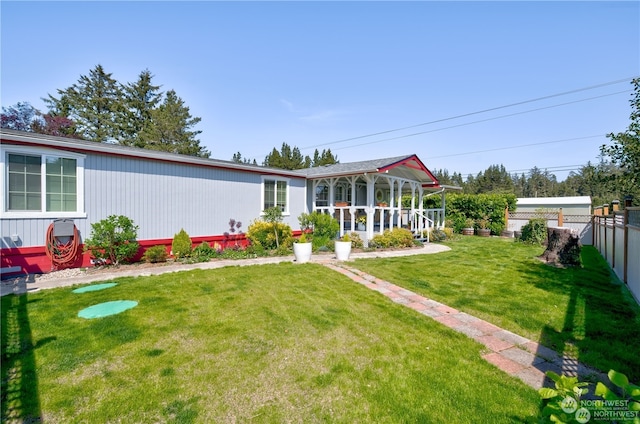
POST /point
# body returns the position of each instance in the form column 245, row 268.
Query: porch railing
column 414, row 220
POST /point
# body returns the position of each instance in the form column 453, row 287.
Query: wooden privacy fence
column 616, row 235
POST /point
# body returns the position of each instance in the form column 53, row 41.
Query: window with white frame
column 41, row 183
column 275, row 192
column 322, row 195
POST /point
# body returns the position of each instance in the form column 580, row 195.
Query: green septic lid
column 94, row 287
column 107, row 308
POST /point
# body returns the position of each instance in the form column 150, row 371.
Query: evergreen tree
column 286, row 158
column 494, row 179
column 237, row 158
column 169, row 130
column 322, row 159
column 95, row 104
column 141, row 99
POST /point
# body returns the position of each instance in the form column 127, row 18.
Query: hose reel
column 62, row 243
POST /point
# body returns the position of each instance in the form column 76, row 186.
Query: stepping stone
column 94, row 287
column 107, row 308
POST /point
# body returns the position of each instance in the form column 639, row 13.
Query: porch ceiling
column 408, row 167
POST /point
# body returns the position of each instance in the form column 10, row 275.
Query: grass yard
column 584, row 311
column 265, row 344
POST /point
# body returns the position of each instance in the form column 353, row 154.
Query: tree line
column 291, row 158
column 594, row 180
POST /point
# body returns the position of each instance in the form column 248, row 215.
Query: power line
column 481, row 120
column 472, row 113
column 551, row 169
column 517, row 146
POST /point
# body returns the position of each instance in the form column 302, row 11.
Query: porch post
column 421, row 209
column 412, row 212
column 392, row 206
column 400, row 221
column 313, row 195
column 352, row 206
column 371, row 197
column 444, row 211
column 332, row 196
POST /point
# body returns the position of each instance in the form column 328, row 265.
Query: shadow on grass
column 20, row 399
column 600, row 324
column 601, row 321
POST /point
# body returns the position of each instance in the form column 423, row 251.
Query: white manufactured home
column 46, row 179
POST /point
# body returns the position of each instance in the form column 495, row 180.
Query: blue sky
column 312, row 74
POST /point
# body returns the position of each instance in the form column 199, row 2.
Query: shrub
column 268, row 234
column 398, row 237
column 324, row 226
column 448, row 232
column 113, row 238
column 356, row 241
column 156, row 254
column 436, row 235
column 380, row 241
column 181, row 246
column 204, row 252
column 535, row 231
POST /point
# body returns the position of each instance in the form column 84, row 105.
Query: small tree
column 113, row 239
column 273, row 216
column 181, row 245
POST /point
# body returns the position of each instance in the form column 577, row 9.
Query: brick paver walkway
column 510, row 352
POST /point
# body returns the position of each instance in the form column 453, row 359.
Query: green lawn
column 582, row 311
column 265, row 344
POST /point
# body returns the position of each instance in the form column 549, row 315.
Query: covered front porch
column 372, row 196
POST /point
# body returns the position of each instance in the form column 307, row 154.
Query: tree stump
column 563, row 247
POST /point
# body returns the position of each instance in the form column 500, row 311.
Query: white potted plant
column 342, row 248
column 303, row 247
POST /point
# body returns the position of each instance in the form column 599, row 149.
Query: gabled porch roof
column 408, row 167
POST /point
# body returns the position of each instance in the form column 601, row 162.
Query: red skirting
column 34, row 260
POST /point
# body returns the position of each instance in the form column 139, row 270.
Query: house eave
column 83, row 146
